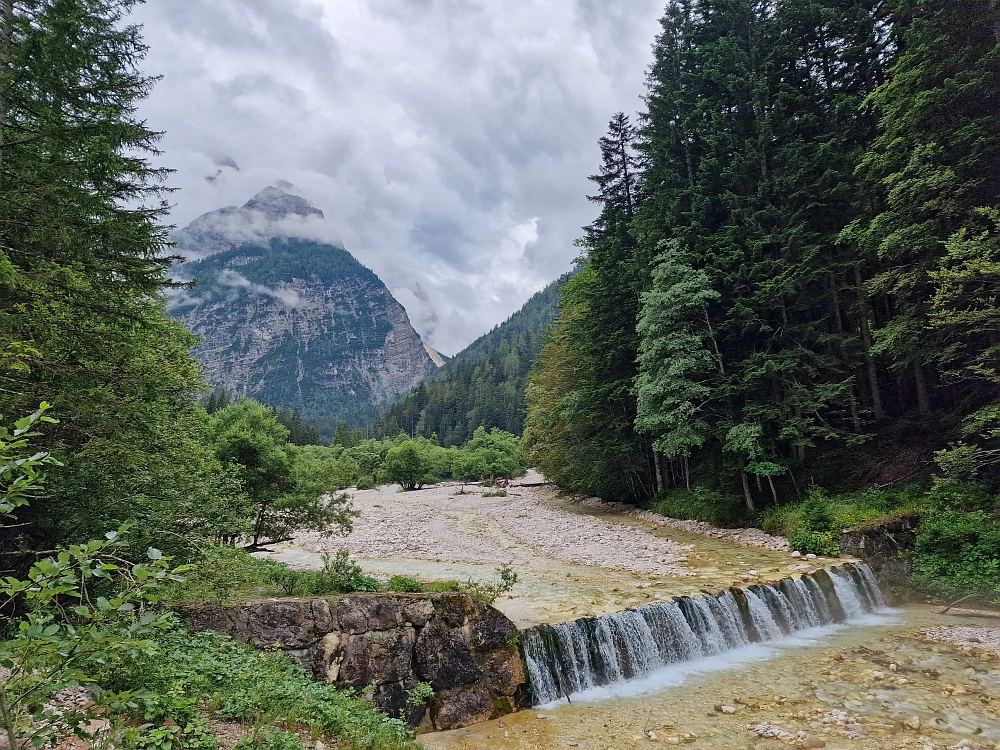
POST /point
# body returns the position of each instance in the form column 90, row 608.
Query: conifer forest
column 762, row 397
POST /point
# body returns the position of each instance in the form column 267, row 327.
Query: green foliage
column 83, row 266
column 287, row 486
column 226, row 576
column 421, row 695
column 273, row 739
column 701, row 504
column 958, row 553
column 85, row 607
column 366, row 482
column 342, row 575
column 409, row 464
column 676, row 363
column 490, row 591
column 20, row 476
column 489, row 454
column 403, row 584
column 495, row 493
column 264, row 691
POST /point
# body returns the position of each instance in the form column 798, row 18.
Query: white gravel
column 749, row 537
column 438, row 523
column 985, row 639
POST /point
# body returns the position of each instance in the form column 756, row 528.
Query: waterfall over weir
column 565, row 659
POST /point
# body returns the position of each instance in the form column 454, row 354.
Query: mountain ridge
column 292, row 322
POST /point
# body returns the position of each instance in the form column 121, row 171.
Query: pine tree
column 936, row 160
column 83, row 261
column 676, row 363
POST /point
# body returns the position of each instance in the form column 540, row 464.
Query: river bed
column 572, row 561
column 837, row 684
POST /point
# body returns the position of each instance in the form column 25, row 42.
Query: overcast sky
column 448, row 142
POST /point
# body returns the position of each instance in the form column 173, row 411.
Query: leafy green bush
column 404, row 585
column 266, row 691
column 226, row 575
column 489, row 591
column 273, row 739
column 341, row 575
column 367, row 482
column 489, row 454
column 958, row 553
column 410, row 465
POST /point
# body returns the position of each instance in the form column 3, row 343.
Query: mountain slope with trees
column 481, row 386
column 295, row 323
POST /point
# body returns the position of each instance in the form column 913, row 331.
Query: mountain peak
column 270, row 213
column 276, row 204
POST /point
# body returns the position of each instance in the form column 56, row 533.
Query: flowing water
column 590, row 652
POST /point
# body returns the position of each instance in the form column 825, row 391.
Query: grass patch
column 230, row 576
column 814, row 525
column 702, row 504
column 193, row 676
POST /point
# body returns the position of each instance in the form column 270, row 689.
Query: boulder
column 394, row 699
column 379, row 657
column 443, row 656
column 460, row 706
column 503, row 671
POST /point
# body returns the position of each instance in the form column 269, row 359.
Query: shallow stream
column 835, row 683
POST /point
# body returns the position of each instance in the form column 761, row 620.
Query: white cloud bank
column 447, row 142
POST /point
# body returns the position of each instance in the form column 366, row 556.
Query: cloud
column 230, row 285
column 447, row 141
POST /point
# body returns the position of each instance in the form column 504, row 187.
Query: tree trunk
column 659, row 471
column 6, row 19
column 774, row 493
column 746, row 491
column 866, row 339
column 835, row 299
column 923, row 397
column 687, row 472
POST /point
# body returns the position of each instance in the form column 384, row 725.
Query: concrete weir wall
column 467, row 650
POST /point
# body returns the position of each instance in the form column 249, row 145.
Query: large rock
column 465, row 649
column 443, row 656
column 887, row 549
column 459, row 707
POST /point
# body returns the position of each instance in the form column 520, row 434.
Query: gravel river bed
column 902, row 678
column 573, row 559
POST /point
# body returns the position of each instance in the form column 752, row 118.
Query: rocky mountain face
column 292, row 322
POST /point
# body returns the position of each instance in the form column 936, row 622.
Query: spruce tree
column 83, row 261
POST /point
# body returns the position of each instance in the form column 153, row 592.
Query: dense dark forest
column 793, row 276
column 483, row 385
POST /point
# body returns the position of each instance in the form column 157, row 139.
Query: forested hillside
column 793, row 276
column 484, row 384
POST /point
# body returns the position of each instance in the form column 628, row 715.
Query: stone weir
column 466, row 650
column 592, row 651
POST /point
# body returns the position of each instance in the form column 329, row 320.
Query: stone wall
column 464, row 648
column 887, row 548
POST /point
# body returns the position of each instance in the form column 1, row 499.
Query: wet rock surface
column 465, row 649
column 886, row 548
